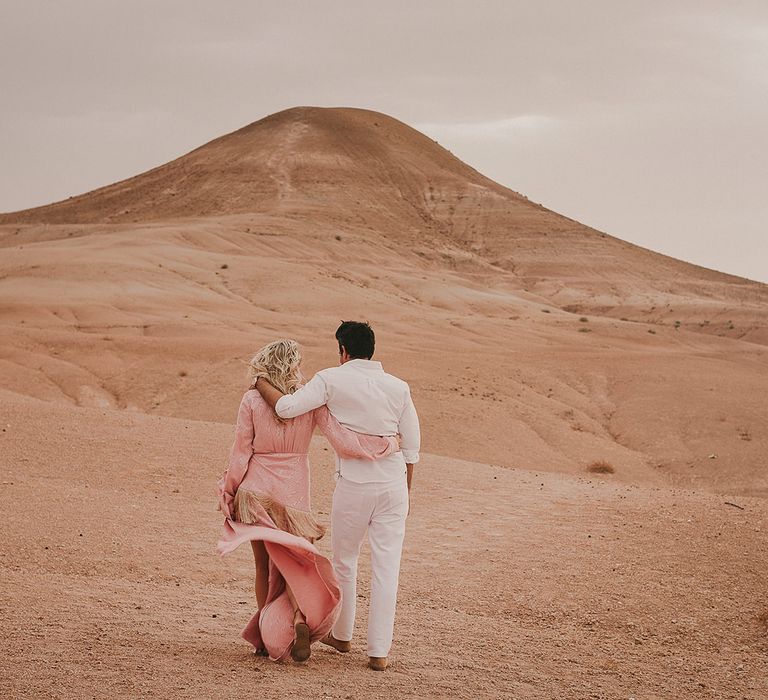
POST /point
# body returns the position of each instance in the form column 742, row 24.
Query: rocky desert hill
column 530, row 340
column 538, row 351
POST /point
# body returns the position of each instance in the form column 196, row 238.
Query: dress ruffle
column 249, row 508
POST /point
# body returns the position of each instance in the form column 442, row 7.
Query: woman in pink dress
column 264, row 495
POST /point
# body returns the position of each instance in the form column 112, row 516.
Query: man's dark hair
column 357, row 339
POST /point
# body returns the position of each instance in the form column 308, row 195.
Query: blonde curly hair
column 278, row 363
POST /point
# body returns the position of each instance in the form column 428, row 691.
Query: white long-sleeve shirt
column 363, row 398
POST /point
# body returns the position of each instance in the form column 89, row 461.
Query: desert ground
column 535, row 347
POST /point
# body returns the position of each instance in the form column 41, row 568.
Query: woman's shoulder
column 253, row 398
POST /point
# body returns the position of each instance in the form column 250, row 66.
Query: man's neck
column 351, row 359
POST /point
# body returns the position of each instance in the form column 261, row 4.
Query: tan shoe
column 337, row 644
column 378, row 663
column 300, row 650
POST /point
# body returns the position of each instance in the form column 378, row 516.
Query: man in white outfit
column 369, row 495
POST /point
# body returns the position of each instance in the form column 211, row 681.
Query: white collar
column 364, row 364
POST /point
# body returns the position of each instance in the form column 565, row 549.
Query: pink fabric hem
column 310, row 575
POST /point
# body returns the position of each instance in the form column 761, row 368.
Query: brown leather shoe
column 300, row 650
column 378, row 663
column 337, row 644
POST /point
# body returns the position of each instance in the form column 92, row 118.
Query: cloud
column 522, row 125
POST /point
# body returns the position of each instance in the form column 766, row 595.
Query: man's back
column 363, row 398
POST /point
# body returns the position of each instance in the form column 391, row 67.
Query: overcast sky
column 646, row 120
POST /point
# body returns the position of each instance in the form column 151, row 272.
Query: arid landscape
column 589, row 517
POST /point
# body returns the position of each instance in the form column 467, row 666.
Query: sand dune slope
column 160, row 318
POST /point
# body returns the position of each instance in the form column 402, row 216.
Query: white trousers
column 380, row 508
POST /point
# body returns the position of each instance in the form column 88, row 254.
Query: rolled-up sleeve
column 409, row 431
column 309, row 397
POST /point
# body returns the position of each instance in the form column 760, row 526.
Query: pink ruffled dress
column 264, row 495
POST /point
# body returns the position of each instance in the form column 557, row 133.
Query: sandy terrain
column 514, row 584
column 534, row 346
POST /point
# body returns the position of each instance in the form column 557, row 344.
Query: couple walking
column 370, row 420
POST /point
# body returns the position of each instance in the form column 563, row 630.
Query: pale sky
column 645, row 120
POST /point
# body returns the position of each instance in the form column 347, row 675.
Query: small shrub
column 224, row 266
column 338, row 238
column 677, row 324
column 183, row 373
column 546, row 311
column 584, row 319
column 623, row 319
column 762, row 619
column 600, row 466
column 650, row 330
column 585, row 330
